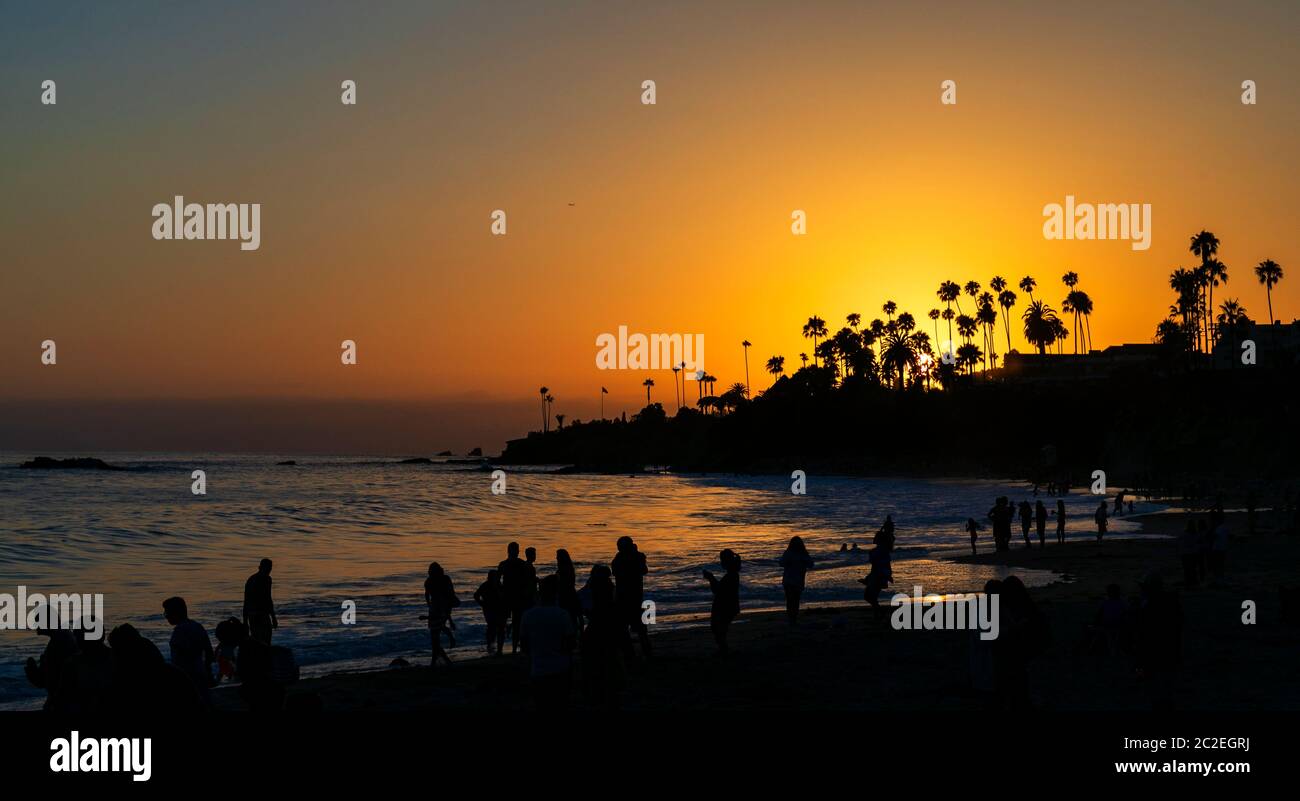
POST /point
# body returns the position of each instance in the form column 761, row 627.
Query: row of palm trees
column 1191, row 318
column 896, row 353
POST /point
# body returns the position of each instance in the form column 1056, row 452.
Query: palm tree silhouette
column 1083, row 306
column 677, row 397
column 603, row 393
column 988, row 317
column 854, row 320
column 1007, row 300
column 948, row 292
column 1041, row 324
column 889, row 308
column 1205, row 245
column 933, row 314
column 776, row 366
column 803, row 358
column 549, row 400
column 559, row 420
column 1216, row 273
column 746, row 345
column 1269, row 274
column 545, row 416
column 1184, row 282
column 1027, row 285
column 972, row 289
column 649, row 382
column 814, row 328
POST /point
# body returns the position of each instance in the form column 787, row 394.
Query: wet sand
column 843, row 658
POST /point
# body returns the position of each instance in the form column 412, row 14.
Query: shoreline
column 775, row 666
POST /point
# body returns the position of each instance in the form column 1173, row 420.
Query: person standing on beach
column 567, row 577
column 259, row 609
column 973, row 529
column 548, row 636
column 885, row 536
column 1026, row 519
column 440, row 597
column 1001, row 515
column 795, row 563
column 517, row 582
column 726, row 598
column 1060, row 522
column 882, row 573
column 493, row 602
column 629, row 568
column 1100, row 518
column 191, row 650
column 1040, row 519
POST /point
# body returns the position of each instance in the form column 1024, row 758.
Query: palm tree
column 676, row 396
column 545, row 416
column 550, row 404
column 854, row 320
column 559, row 420
column 966, row 326
column 803, row 358
column 934, row 315
column 972, row 289
column 746, row 345
column 1007, row 299
column 1040, row 324
column 776, row 366
column 649, row 382
column 898, row 352
column 1269, row 274
column 814, row 328
column 1083, row 307
column 889, row 308
column 1232, row 315
column 968, row 356
column 1184, row 282
column 1216, row 273
column 948, row 292
column 1027, row 285
column 1061, row 333
column 1205, row 245
column 988, row 318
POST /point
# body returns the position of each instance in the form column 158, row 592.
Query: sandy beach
column 844, row 658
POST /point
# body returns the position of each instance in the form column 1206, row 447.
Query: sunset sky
column 375, row 217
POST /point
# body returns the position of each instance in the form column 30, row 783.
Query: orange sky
column 375, row 218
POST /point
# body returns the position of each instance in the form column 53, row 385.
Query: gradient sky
column 375, row 217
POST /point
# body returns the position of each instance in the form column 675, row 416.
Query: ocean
column 364, row 529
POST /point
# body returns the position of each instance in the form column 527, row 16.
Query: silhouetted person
column 1001, row 515
column 1060, row 521
column 548, row 636
column 882, row 573
column 726, row 597
column 629, row 568
column 795, row 564
column 982, row 675
column 191, row 650
column 602, row 639
column 885, row 536
column 259, row 609
column 491, row 598
column 973, row 529
column 1119, row 503
column 259, row 686
column 1040, row 520
column 143, row 682
column 566, row 576
column 47, row 673
column 1022, row 636
column 440, row 596
column 1026, row 519
column 530, row 556
column 517, row 581
column 1100, row 518
column 844, row 547
column 1158, row 640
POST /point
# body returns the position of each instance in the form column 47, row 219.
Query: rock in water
column 80, row 463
